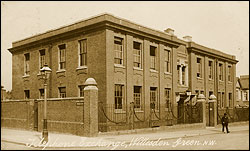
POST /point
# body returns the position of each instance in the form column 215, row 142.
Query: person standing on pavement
column 224, row 122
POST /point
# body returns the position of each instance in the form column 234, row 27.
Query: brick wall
column 17, row 114
column 63, row 115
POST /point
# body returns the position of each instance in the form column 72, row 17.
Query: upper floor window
column 183, row 75
column 245, row 95
column 210, row 69
column 119, row 96
column 41, row 58
column 137, row 54
column 62, row 92
column 199, row 67
column 230, row 73
column 26, row 94
column 153, row 57
column 118, row 49
column 221, row 71
column 137, row 97
column 81, row 90
column 27, row 64
column 82, row 52
column 167, row 61
column 178, row 74
column 62, row 56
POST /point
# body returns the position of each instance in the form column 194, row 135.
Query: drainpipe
column 216, row 85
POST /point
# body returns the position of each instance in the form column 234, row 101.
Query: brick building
column 242, row 91
column 130, row 63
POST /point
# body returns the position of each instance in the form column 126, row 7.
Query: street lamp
column 45, row 71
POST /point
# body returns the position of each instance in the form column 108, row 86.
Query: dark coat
column 224, row 120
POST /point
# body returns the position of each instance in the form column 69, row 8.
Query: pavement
column 58, row 140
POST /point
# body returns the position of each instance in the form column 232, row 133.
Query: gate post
column 90, row 108
column 212, row 100
column 202, row 99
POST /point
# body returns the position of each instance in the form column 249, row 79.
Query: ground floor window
column 154, row 104
column 119, row 96
column 137, row 97
column 62, row 92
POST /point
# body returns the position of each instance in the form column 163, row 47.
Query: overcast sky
column 220, row 25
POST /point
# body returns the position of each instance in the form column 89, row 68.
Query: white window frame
column 120, row 52
column 210, row 69
column 167, row 60
column 154, row 98
column 62, row 94
column 153, row 59
column 81, row 90
column 199, row 67
column 136, row 97
column 230, row 79
column 221, row 71
column 26, row 65
column 120, row 89
column 167, row 98
column 59, row 57
column 84, row 53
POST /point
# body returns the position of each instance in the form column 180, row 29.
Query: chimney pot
column 187, row 38
column 169, row 31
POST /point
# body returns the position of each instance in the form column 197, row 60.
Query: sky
column 220, row 25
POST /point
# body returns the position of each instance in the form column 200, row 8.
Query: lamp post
column 46, row 73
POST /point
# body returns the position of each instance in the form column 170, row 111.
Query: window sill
column 59, row 71
column 119, row 66
column 199, row 78
column 119, row 111
column 81, row 67
column 25, row 76
column 136, row 68
column 82, row 70
column 168, row 73
column 152, row 70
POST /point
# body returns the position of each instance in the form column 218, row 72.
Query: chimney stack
column 187, row 38
column 169, row 31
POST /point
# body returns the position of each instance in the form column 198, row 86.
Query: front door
column 180, row 111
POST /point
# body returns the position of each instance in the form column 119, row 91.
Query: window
column 230, row 100
column 167, row 61
column 41, row 93
column 62, row 92
column 178, row 74
column 153, row 57
column 199, row 67
column 82, row 52
column 210, row 69
column 137, row 54
column 153, row 98
column 167, row 98
column 137, row 97
column 26, row 94
column 230, row 73
column 62, row 56
column 221, row 71
column 219, row 99
column 245, row 96
column 81, row 90
column 183, row 75
column 27, row 64
column 238, row 94
column 41, row 58
column 119, row 96
column 118, row 48
column 222, row 100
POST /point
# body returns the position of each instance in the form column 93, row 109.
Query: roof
column 114, row 22
column 244, row 82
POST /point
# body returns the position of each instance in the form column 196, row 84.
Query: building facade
column 242, row 91
column 130, row 63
